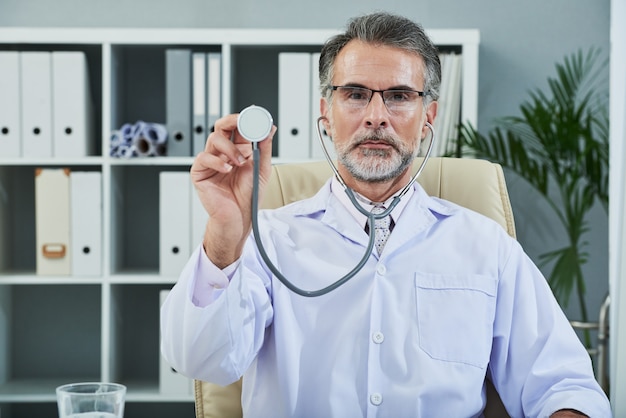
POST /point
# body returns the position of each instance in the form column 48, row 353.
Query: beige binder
column 52, row 221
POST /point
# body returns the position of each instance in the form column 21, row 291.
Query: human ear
column 431, row 114
column 324, row 111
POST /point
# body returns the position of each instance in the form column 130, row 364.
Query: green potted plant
column 560, row 146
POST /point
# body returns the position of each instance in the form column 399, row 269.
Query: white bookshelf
column 55, row 330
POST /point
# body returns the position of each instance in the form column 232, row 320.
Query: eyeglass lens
column 360, row 97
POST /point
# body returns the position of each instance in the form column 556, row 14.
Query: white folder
column 214, row 89
column 170, row 381
column 52, row 221
column 10, row 107
column 86, row 224
column 316, row 148
column 294, row 104
column 455, row 102
column 36, row 87
column 199, row 77
column 199, row 218
column 72, row 111
column 443, row 106
column 174, row 222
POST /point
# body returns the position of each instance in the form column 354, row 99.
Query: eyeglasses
column 396, row 100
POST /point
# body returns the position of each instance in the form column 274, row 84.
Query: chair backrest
column 475, row 184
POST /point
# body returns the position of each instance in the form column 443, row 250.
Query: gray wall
column 520, row 43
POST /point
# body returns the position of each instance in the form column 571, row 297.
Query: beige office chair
column 476, row 184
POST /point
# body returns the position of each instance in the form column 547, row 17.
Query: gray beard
column 377, row 166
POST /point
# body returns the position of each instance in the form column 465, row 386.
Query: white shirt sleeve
column 209, row 281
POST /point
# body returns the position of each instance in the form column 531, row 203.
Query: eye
column 399, row 96
column 355, row 93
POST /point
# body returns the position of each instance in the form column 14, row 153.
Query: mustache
column 377, row 136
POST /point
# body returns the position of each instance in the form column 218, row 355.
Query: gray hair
column 383, row 29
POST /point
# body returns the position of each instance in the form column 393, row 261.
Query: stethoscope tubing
column 371, row 217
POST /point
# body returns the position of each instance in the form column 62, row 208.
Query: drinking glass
column 91, row 400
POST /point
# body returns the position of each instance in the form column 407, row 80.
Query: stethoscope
column 254, row 123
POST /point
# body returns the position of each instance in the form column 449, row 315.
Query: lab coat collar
column 419, row 213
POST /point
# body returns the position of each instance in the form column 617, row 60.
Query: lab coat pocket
column 455, row 315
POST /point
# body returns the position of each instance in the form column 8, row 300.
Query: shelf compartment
column 160, row 409
column 138, row 82
column 17, row 217
column 36, row 390
column 30, row 409
column 131, row 410
column 135, row 217
column 93, row 54
column 255, row 72
column 49, row 334
column 135, row 340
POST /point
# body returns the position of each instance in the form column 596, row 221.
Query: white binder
column 199, row 69
column 36, row 87
column 10, row 107
column 294, row 104
column 86, row 223
column 52, row 221
column 72, row 111
column 178, row 101
column 214, row 89
column 199, row 218
column 174, row 222
column 170, row 381
column 316, row 149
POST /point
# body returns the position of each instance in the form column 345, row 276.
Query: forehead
column 378, row 66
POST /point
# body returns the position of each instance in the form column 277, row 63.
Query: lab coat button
column 376, row 399
column 381, row 269
column 378, row 337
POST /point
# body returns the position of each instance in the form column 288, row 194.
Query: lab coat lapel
column 338, row 218
column 417, row 217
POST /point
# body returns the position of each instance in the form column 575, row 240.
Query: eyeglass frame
column 382, row 93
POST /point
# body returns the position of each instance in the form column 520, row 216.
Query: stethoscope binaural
column 255, row 124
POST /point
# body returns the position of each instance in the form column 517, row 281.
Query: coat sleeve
column 538, row 364
column 212, row 327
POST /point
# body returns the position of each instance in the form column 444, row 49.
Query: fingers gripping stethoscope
column 254, row 124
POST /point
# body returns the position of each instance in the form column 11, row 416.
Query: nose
column 377, row 115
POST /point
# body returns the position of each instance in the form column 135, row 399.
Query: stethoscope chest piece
column 254, row 123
